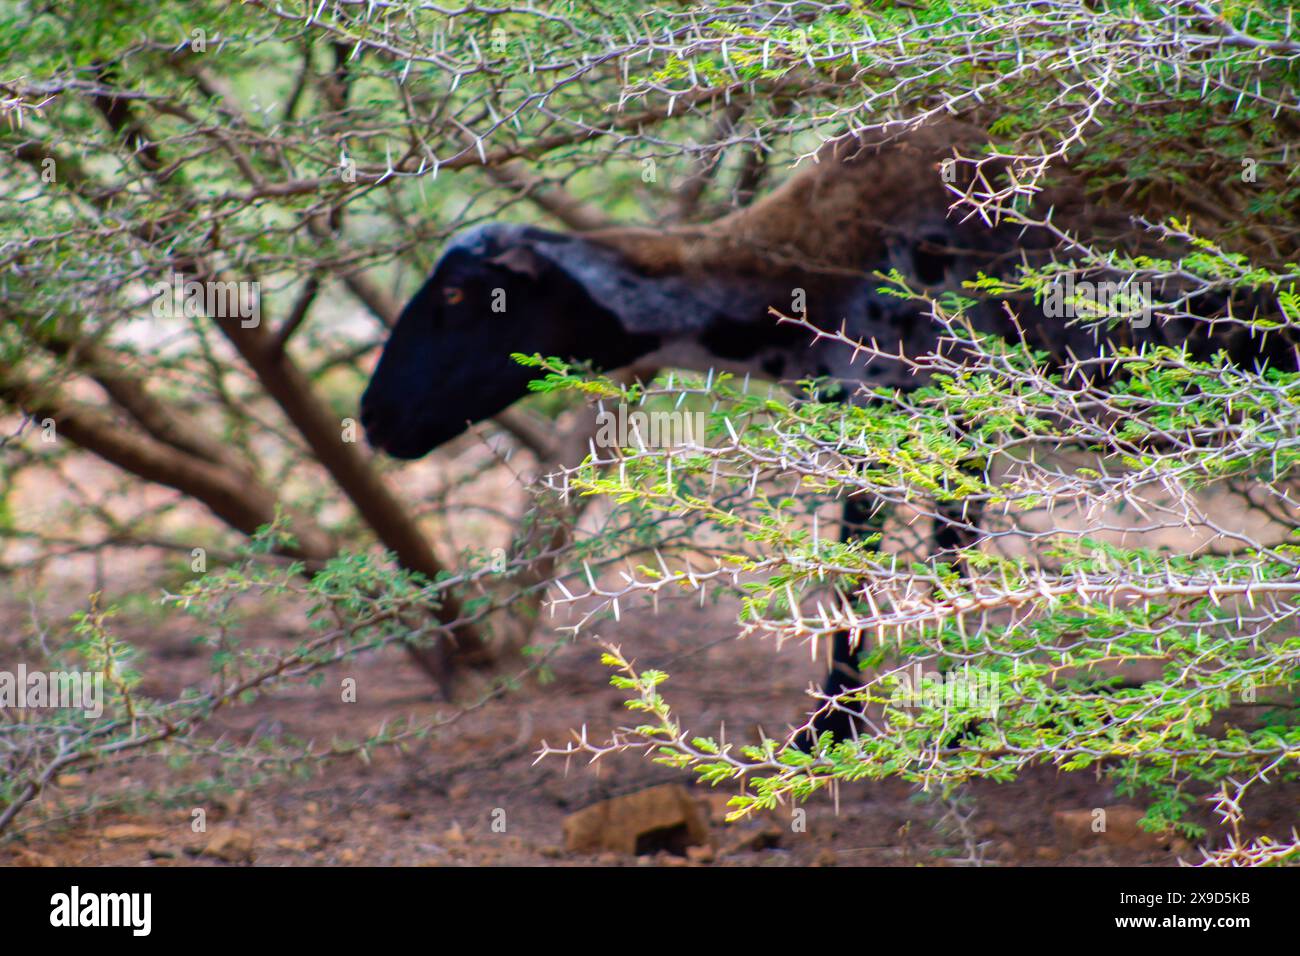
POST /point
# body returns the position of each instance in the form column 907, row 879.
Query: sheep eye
column 453, row 295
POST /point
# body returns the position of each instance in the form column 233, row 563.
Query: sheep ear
column 520, row 259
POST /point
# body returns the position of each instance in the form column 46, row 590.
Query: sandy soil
column 437, row 804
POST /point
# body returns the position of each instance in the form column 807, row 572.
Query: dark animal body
column 699, row 296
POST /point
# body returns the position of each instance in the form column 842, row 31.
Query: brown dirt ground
column 436, row 803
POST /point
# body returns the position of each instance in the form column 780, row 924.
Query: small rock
column 122, row 832
column 459, row 791
column 767, row 838
column 552, row 852
column 827, row 857
column 1074, row 828
column 715, row 805
column 394, row 810
column 700, row 854
column 453, row 833
column 32, row 858
column 1048, row 853
column 156, row 852
column 658, row 818
column 1122, row 830
column 231, row 846
column 347, row 855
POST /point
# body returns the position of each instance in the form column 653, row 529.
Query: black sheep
column 699, row 297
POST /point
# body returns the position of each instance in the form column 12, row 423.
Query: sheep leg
column 956, row 529
column 860, row 520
